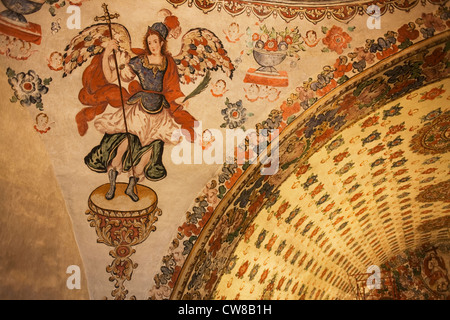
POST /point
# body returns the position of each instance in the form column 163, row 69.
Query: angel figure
column 134, row 137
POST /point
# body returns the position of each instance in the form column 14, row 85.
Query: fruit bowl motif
column 271, row 47
column 268, row 59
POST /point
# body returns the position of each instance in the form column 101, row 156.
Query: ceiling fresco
column 345, row 162
column 316, row 232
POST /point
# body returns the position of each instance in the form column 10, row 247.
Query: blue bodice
column 151, row 78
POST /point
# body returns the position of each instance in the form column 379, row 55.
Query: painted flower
column 341, row 66
column 271, row 45
column 336, row 143
column 255, row 37
column 433, row 93
column 363, row 57
column 304, row 93
column 289, row 110
column 288, row 40
column 336, row 39
column 330, row 86
column 431, row 21
column 436, row 57
column 432, row 115
column 370, row 122
column 306, row 96
column 234, row 114
column 387, row 52
column 341, row 156
column 272, row 122
column 396, row 128
column 375, row 135
column 376, row 149
column 346, row 103
column 371, row 92
column 28, row 87
column 328, row 118
column 439, row 71
column 407, row 31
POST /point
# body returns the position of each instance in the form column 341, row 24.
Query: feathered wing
column 89, row 43
column 201, row 51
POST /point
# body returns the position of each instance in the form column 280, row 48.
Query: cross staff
column 108, row 17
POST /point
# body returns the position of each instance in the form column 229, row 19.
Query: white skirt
column 146, row 126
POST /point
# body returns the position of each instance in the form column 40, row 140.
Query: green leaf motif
column 10, row 72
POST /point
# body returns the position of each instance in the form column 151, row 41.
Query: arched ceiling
column 363, row 176
column 377, row 189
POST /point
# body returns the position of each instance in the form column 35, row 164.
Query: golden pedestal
column 122, row 223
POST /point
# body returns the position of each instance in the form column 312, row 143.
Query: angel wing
column 201, row 50
column 89, row 42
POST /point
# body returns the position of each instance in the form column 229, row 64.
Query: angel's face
column 175, row 33
column 56, row 59
column 41, row 120
column 154, row 44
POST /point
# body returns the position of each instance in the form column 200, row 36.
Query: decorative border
column 313, row 11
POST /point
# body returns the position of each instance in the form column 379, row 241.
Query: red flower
column 271, row 45
column 341, row 156
column 370, row 122
column 434, row 58
column 242, row 270
column 431, row 21
column 407, row 31
column 302, row 170
column 327, row 88
column 288, row 40
column 336, row 39
column 347, row 103
column 255, row 37
column 289, row 110
column 387, row 52
column 399, row 87
column 376, row 149
column 253, row 208
column 432, row 94
column 282, row 209
column 396, row 128
column 233, row 178
column 341, row 67
column 214, row 245
column 213, row 278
